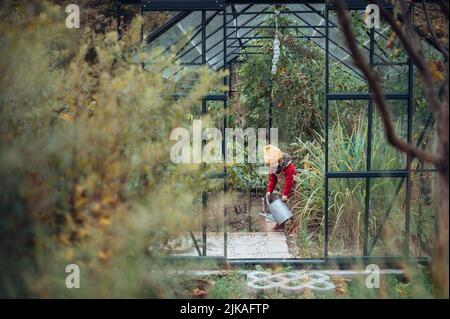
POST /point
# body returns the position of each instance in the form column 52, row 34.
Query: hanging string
column 276, row 57
column 276, row 46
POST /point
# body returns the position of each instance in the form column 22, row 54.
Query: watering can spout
column 268, row 217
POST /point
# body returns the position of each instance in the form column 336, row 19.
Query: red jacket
column 289, row 172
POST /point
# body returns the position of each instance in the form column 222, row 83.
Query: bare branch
column 375, row 85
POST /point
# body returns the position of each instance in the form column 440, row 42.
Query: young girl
column 281, row 169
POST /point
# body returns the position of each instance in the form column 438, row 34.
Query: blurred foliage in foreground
column 85, row 173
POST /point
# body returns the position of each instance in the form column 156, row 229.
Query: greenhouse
column 360, row 199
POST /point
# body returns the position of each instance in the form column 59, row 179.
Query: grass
column 229, row 287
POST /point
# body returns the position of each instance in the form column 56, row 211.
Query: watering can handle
column 267, row 199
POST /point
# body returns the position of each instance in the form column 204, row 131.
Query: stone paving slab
column 245, row 245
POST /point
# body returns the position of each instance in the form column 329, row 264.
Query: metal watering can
column 279, row 211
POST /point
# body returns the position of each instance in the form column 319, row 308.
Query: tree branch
column 375, row 85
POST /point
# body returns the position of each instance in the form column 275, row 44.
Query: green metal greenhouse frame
column 220, row 36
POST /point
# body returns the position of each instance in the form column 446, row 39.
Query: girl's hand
column 284, row 198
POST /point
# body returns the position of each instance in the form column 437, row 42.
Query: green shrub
column 85, row 173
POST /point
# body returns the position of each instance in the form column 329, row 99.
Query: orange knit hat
column 272, row 154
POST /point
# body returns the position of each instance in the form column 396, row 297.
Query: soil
column 243, row 215
column 194, row 288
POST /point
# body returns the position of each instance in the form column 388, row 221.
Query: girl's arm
column 272, row 183
column 289, row 171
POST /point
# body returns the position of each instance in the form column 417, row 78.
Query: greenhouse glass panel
column 387, row 216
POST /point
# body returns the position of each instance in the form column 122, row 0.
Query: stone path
column 267, row 244
column 246, row 245
column 264, row 244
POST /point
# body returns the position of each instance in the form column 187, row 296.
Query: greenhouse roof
column 244, row 23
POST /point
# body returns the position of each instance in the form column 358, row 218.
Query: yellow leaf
column 391, row 41
column 70, row 254
column 108, row 199
column 104, row 254
column 79, row 189
column 96, row 208
column 66, row 117
column 341, row 284
column 277, row 269
column 82, row 232
column 104, row 221
column 80, row 202
column 114, row 168
column 436, row 72
column 64, row 238
column 341, row 291
column 308, row 294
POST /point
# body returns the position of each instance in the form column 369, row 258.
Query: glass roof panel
column 242, row 26
column 239, row 29
column 175, row 34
